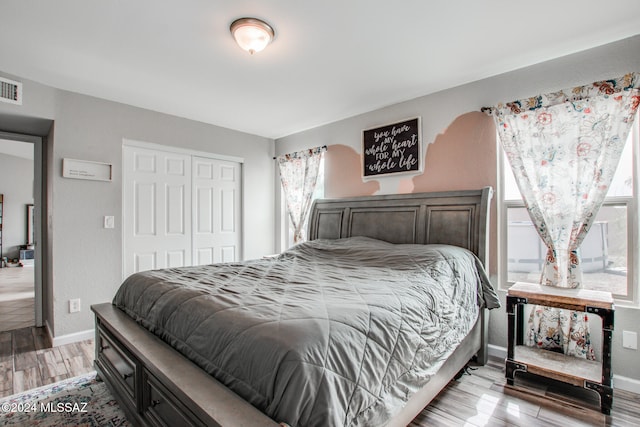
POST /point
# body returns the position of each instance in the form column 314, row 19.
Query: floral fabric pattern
column 547, row 328
column 298, row 175
column 564, row 148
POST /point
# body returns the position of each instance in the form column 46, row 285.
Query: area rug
column 80, row 401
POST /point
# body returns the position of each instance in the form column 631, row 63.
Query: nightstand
column 589, row 374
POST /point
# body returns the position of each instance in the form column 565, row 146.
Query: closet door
column 157, row 209
column 216, row 216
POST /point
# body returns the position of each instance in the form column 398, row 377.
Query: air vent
column 10, row 91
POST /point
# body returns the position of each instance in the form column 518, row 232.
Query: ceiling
column 330, row 60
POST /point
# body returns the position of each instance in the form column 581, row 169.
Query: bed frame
column 156, row 385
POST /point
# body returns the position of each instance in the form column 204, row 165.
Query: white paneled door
column 216, row 192
column 179, row 210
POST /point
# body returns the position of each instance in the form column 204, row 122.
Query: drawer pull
column 127, row 376
column 155, row 402
column 104, row 347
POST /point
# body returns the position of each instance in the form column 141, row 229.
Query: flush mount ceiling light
column 251, row 34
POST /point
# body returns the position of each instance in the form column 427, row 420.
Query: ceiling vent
column 10, row 91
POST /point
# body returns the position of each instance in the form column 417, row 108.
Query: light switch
column 109, row 221
column 630, row 340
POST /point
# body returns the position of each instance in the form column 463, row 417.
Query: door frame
column 126, row 142
column 39, row 201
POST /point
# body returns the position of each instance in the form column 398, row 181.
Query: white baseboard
column 619, row 382
column 497, row 352
column 626, row 383
column 69, row 338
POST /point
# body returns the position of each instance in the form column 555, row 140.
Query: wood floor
column 27, row 360
column 478, row 399
column 16, row 298
column 484, row 399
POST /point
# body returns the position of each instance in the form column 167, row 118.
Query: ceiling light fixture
column 251, row 34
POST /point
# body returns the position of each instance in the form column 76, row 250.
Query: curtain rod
column 324, row 147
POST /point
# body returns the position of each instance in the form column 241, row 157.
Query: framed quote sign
column 392, row 149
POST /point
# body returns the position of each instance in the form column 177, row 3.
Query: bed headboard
column 458, row 218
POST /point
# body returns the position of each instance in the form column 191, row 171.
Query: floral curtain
column 298, row 175
column 564, row 148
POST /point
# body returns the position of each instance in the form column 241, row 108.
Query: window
column 607, row 252
column 317, row 194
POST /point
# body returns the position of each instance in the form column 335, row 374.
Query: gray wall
column 86, row 260
column 440, row 110
column 16, row 183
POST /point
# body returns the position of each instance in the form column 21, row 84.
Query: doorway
column 20, row 260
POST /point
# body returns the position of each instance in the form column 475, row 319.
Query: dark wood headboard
column 458, row 218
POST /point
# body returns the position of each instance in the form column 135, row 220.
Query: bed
column 362, row 325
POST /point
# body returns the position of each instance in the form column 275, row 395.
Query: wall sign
column 84, row 169
column 392, row 149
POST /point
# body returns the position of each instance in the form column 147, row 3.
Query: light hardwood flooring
column 484, row 399
column 28, row 361
column 16, row 298
column 479, row 399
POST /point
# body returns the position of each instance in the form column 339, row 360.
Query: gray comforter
column 329, row 333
